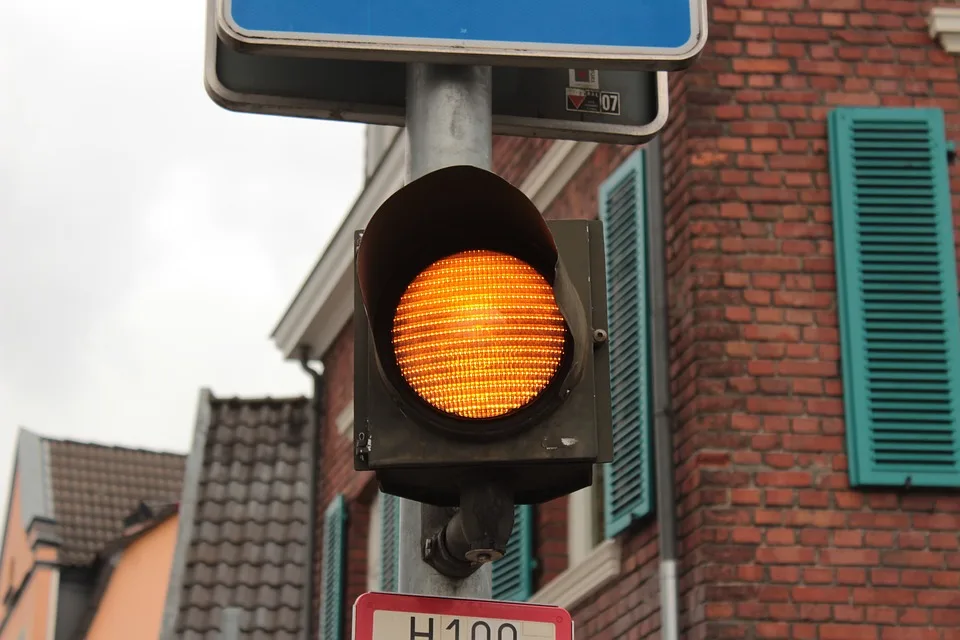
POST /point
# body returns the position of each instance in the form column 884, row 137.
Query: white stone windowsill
column 573, row 586
column 945, row 27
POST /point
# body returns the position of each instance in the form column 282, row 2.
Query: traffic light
column 480, row 343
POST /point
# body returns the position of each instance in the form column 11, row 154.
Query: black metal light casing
column 542, row 450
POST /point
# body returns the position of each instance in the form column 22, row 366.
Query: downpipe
column 662, row 401
column 316, row 448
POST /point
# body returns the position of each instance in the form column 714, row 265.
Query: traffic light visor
column 473, row 322
column 478, row 334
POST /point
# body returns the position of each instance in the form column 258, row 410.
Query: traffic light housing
column 480, row 343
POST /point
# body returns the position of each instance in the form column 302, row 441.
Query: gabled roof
column 83, row 491
column 243, row 521
column 95, row 487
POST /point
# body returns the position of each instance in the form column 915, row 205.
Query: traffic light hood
column 446, row 212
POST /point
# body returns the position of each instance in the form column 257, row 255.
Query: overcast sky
column 149, row 240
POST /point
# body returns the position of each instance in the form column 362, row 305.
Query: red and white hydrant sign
column 392, row 616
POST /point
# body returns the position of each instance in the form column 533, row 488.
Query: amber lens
column 478, row 334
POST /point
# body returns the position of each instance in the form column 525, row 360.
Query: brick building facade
column 814, row 344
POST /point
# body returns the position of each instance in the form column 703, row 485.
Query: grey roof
column 95, row 487
column 243, row 529
column 83, row 491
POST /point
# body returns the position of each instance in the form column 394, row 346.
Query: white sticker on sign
column 399, row 625
column 584, row 78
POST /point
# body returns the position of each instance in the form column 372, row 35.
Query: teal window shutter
column 628, row 479
column 389, row 543
column 333, row 572
column 897, row 296
column 513, row 574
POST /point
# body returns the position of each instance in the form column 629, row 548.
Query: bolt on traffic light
column 480, row 343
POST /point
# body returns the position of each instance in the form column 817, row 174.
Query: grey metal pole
column 449, row 122
column 662, row 401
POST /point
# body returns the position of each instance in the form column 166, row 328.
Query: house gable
column 28, row 554
column 135, row 595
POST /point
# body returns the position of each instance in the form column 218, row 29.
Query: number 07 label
column 593, row 101
column 390, row 616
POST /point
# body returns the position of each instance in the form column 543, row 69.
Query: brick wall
column 774, row 542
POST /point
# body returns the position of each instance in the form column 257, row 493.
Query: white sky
column 149, row 240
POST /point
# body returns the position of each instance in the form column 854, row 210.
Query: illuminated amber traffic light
column 478, row 351
column 479, row 334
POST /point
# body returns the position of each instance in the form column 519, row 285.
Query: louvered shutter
column 513, row 574
column 332, row 569
column 897, row 296
column 389, row 542
column 628, row 479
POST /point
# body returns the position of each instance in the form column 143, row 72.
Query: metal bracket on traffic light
column 475, row 533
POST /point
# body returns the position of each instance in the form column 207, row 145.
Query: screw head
column 599, row 336
column 481, row 556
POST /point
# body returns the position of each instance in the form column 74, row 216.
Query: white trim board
column 945, row 27
column 583, row 579
column 324, row 304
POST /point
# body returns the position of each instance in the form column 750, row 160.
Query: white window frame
column 344, row 421
column 594, row 571
column 592, row 561
column 585, row 520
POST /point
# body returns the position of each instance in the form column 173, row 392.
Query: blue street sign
column 625, row 34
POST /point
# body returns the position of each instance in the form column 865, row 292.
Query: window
column 513, row 574
column 627, row 481
column 896, row 296
column 623, row 490
column 332, row 574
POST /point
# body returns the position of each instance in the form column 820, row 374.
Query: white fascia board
column 945, row 27
column 325, row 301
column 324, row 304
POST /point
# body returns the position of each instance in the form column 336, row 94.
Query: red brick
column 785, row 555
column 847, row 632
column 841, row 557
